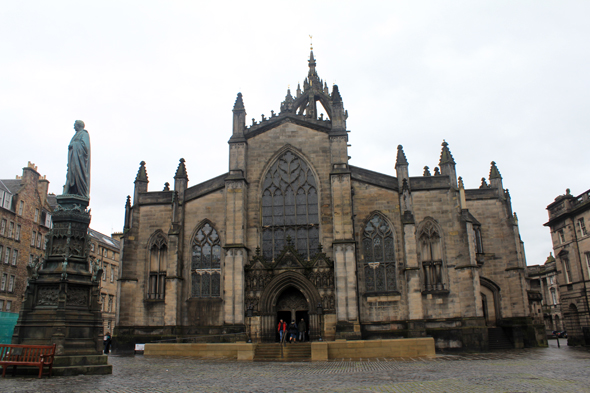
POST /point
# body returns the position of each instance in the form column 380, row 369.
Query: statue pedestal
column 61, row 302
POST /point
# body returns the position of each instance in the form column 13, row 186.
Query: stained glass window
column 206, row 263
column 379, row 256
column 431, row 255
column 290, row 207
column 158, row 260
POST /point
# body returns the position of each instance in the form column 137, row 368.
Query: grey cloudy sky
column 156, row 81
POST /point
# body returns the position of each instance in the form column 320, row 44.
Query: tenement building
column 294, row 231
column 107, row 250
column 25, row 219
column 568, row 217
column 544, row 302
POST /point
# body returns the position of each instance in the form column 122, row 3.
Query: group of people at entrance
column 295, row 332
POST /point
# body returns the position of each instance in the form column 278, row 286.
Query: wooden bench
column 26, row 355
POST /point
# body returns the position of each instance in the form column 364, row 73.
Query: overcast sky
column 156, row 81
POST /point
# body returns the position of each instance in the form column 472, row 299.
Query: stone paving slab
column 530, row 370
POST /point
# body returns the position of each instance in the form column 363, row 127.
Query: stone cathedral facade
column 293, row 231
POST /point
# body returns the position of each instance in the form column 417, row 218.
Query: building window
column 553, row 296
column 290, row 208
column 582, row 226
column 8, row 305
column 7, row 201
column 478, row 240
column 3, row 283
column 47, row 220
column 104, row 271
column 21, row 207
column 10, row 229
column 110, row 309
column 33, row 238
column 1, row 253
column 11, row 284
column 561, row 236
column 7, row 256
column 587, row 255
column 551, row 280
column 14, row 257
column 39, row 239
column 17, row 233
column 92, row 247
column 206, row 263
column 3, row 227
column 431, row 256
column 102, row 301
column 36, row 219
column 567, row 270
column 158, row 254
column 112, row 273
column 378, row 256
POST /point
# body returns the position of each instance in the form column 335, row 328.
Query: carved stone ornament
column 47, row 296
column 77, row 297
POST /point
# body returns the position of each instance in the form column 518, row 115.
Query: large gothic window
column 290, row 207
column 206, row 263
column 379, row 256
column 158, row 254
column 431, row 255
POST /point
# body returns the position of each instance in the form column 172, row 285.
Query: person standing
column 302, row 329
column 293, row 330
column 107, row 343
column 282, row 328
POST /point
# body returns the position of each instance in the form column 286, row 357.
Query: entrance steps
column 298, row 352
column 498, row 340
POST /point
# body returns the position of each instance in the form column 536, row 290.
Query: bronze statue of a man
column 78, row 177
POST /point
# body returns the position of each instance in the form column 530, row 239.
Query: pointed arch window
column 158, row 255
column 290, row 207
column 206, row 263
column 431, row 256
column 379, row 256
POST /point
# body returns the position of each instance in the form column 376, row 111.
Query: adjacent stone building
column 107, row 250
column 25, row 219
column 568, row 217
column 294, row 231
column 544, row 300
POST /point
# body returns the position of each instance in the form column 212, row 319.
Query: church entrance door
column 291, row 305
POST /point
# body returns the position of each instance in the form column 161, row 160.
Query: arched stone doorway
column 292, row 306
column 490, row 293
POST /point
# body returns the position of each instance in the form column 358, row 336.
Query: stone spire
column 401, row 157
column 287, row 105
column 141, row 173
column 401, row 167
column 338, row 114
column 426, row 171
column 496, row 179
column 447, row 164
column 181, row 170
column 141, row 182
column 239, row 121
column 127, row 213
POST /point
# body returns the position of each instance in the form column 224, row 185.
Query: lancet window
column 379, row 256
column 158, row 254
column 431, row 256
column 206, row 263
column 290, row 207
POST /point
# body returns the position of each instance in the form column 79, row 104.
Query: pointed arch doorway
column 292, row 306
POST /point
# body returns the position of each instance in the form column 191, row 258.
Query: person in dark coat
column 293, row 330
column 107, row 343
column 302, row 329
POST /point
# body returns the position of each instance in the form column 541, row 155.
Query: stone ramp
column 298, row 352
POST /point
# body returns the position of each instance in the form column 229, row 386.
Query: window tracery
column 158, row 255
column 290, row 207
column 379, row 256
column 431, row 255
column 206, row 263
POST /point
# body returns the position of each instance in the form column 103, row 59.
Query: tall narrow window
column 206, row 263
column 158, row 260
column 379, row 256
column 567, row 270
column 10, row 229
column 561, row 235
column 33, row 238
column 553, row 296
column 7, row 256
column 14, row 257
column 3, row 227
column 290, row 208
column 11, row 284
column 21, row 207
column 17, row 233
column 431, row 256
column 587, row 263
column 582, row 226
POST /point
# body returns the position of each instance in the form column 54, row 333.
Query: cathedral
column 293, row 231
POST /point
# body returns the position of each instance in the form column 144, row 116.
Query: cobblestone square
column 530, row 370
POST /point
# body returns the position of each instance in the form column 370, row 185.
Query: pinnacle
column 336, row 97
column 181, row 171
column 494, row 172
column 239, row 104
column 445, row 155
column 142, row 173
column 401, row 157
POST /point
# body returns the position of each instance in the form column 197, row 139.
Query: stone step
column 497, row 339
column 97, row 369
column 88, row 360
column 285, row 353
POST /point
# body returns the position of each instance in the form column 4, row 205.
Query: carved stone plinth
column 61, row 302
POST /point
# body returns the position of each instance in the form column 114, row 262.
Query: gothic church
column 293, row 231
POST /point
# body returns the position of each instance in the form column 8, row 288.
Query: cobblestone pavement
column 530, row 370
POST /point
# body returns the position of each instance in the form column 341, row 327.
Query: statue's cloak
column 78, row 177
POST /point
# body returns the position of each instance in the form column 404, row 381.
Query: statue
column 78, row 177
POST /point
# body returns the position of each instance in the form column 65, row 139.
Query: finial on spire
column 181, row 170
column 401, row 157
column 494, row 172
column 445, row 155
column 426, row 171
column 239, row 104
column 461, row 185
column 142, row 173
column 311, row 42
